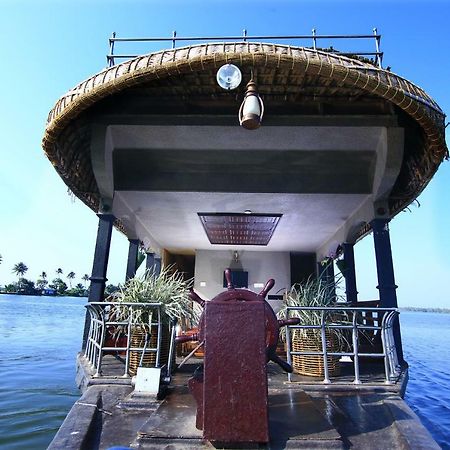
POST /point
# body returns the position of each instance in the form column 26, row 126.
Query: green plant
column 168, row 288
column 314, row 292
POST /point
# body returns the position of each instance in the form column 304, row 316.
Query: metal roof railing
column 313, row 39
column 358, row 322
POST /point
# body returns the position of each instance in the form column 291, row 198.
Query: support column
column 157, row 266
column 132, row 258
column 349, row 273
column 385, row 273
column 326, row 272
column 150, row 261
column 100, row 264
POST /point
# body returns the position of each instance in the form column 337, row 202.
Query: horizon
column 56, row 46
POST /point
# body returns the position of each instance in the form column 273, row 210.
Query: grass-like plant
column 168, row 288
column 314, row 292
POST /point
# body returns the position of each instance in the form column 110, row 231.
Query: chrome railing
column 103, row 321
column 360, row 321
column 309, row 39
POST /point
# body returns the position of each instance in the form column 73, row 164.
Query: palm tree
column 59, row 271
column 85, row 278
column 70, row 277
column 20, row 269
column 44, row 275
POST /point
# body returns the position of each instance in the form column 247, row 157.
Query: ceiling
column 321, row 179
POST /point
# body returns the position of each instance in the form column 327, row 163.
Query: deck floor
column 301, row 415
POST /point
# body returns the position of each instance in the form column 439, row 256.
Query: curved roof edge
column 344, row 70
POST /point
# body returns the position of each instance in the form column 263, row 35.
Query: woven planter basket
column 138, row 340
column 309, row 340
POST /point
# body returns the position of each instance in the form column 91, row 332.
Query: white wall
column 261, row 266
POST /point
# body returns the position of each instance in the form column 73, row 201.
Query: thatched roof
column 283, row 72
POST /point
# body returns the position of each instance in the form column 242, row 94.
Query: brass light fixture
column 252, row 109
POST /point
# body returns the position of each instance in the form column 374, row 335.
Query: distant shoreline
column 432, row 310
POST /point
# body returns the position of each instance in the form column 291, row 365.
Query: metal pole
column 127, row 354
column 378, row 57
column 314, row 39
column 288, row 346
column 355, row 347
column 174, row 35
column 386, row 350
column 244, row 35
column 326, row 378
column 110, row 57
column 159, row 339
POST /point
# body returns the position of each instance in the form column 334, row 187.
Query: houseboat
column 237, row 160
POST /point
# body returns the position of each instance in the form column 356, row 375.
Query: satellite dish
column 229, row 77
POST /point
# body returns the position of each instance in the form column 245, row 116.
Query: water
column 40, row 337
column 426, row 338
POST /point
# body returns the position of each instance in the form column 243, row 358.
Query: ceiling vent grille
column 239, row 228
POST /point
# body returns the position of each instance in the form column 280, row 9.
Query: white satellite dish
column 229, row 77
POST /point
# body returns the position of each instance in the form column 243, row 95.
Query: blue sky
column 47, row 47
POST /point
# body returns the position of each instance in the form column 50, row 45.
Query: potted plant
column 314, row 292
column 168, row 288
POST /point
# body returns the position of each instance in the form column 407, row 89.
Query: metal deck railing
column 103, row 321
column 357, row 320
column 311, row 40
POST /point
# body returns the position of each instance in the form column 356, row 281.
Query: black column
column 385, row 273
column 132, row 258
column 349, row 272
column 157, row 266
column 100, row 264
column 326, row 273
column 150, row 261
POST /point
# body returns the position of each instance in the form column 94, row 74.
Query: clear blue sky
column 47, row 47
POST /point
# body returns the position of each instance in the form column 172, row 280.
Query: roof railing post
column 378, row 55
column 110, row 57
column 174, row 35
column 244, row 35
column 314, row 39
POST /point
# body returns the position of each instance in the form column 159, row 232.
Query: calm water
column 40, row 337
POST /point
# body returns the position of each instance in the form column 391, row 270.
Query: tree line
column 43, row 286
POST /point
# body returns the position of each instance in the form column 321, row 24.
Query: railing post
column 326, row 376
column 174, row 35
column 314, row 38
column 110, row 57
column 378, row 59
column 288, row 345
column 355, row 347
column 127, row 354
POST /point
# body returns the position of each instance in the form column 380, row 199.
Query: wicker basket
column 149, row 360
column 309, row 340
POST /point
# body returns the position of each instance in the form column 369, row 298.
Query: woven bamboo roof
column 285, row 74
